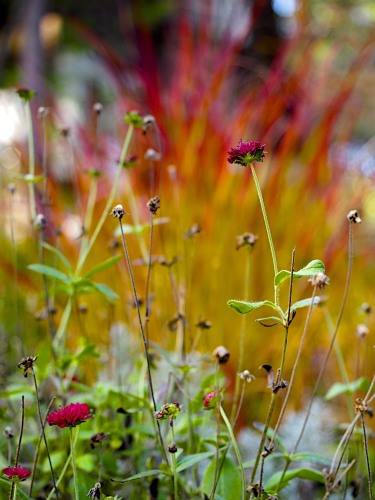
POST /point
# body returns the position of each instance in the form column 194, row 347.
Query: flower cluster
column 16, row 473
column 246, row 152
column 209, row 401
column 169, row 410
column 70, row 416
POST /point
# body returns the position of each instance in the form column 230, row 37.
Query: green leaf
column 58, row 254
column 51, row 272
column 86, row 462
column 244, row 307
column 311, row 457
column 311, row 269
column 190, row 460
column 103, row 265
column 340, row 388
column 229, row 484
column 303, row 473
column 274, row 319
column 106, row 291
column 6, row 485
column 140, row 475
column 305, row 303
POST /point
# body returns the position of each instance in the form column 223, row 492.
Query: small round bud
column 40, row 222
column 153, row 155
column 9, row 432
column 172, row 448
column 154, row 204
column 247, row 376
column 353, row 216
column 148, row 123
column 246, row 240
column 221, row 354
column 362, row 331
column 320, row 280
column 42, row 112
column 366, row 308
column 97, row 108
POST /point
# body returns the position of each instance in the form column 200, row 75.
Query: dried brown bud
column 94, row 492
column 154, row 204
column 65, row 132
column 203, row 324
column 9, row 432
column 353, row 216
column 27, row 364
column 366, row 308
column 118, row 211
column 320, row 280
column 362, row 407
column 40, row 222
column 97, row 438
column 172, row 448
column 246, row 240
column 148, row 122
column 83, row 308
column 221, row 354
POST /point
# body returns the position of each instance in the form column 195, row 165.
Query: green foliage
column 311, row 269
column 339, row 388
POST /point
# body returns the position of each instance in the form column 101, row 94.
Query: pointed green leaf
column 140, row 475
column 103, row 265
column 274, row 319
column 106, row 291
column 58, row 254
column 190, row 460
column 51, row 272
column 303, row 473
column 311, row 457
column 340, row 388
column 305, row 303
column 311, row 269
column 244, row 307
column 229, row 484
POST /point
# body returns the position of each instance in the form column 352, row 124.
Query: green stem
column 74, row 465
column 30, row 139
column 174, row 469
column 14, row 496
column 63, row 472
column 85, row 251
column 236, row 450
column 265, row 218
column 61, row 331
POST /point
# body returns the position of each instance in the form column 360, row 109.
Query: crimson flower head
column 16, row 473
column 70, row 416
column 246, row 152
column 209, row 401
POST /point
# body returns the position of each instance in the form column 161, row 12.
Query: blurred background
column 296, row 75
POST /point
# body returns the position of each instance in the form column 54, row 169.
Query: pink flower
column 209, row 401
column 246, row 152
column 70, row 416
column 16, row 473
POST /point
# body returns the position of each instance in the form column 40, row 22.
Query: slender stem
column 74, row 465
column 174, row 468
column 37, row 451
column 85, row 251
column 266, row 223
column 236, row 450
column 144, row 340
column 367, row 458
column 63, row 472
column 14, row 496
column 147, row 298
column 234, row 413
column 216, row 470
column 30, row 138
column 42, row 424
column 14, row 485
column 64, row 321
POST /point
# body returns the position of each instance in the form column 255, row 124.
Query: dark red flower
column 246, row 152
column 70, row 416
column 16, row 473
column 209, row 401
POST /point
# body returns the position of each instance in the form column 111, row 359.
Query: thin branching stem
column 144, row 340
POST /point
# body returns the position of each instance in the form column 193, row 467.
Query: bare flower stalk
column 149, row 265
column 217, row 451
column 30, row 138
column 16, row 460
column 144, row 340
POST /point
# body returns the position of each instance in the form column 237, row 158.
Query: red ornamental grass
column 70, row 416
column 246, row 152
column 16, row 473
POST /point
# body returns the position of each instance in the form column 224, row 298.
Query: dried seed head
column 362, row 331
column 172, row 448
column 83, row 308
column 11, row 188
column 65, row 132
column 118, row 211
column 95, row 492
column 40, row 222
column 221, row 354
column 362, row 407
column 148, row 123
column 27, row 364
column 97, row 108
column 320, row 280
column 366, row 308
column 246, row 240
column 153, row 155
column 246, row 375
column 9, row 432
column 154, row 204
column 168, row 411
column 353, row 216
column 97, row 439
column 193, row 231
